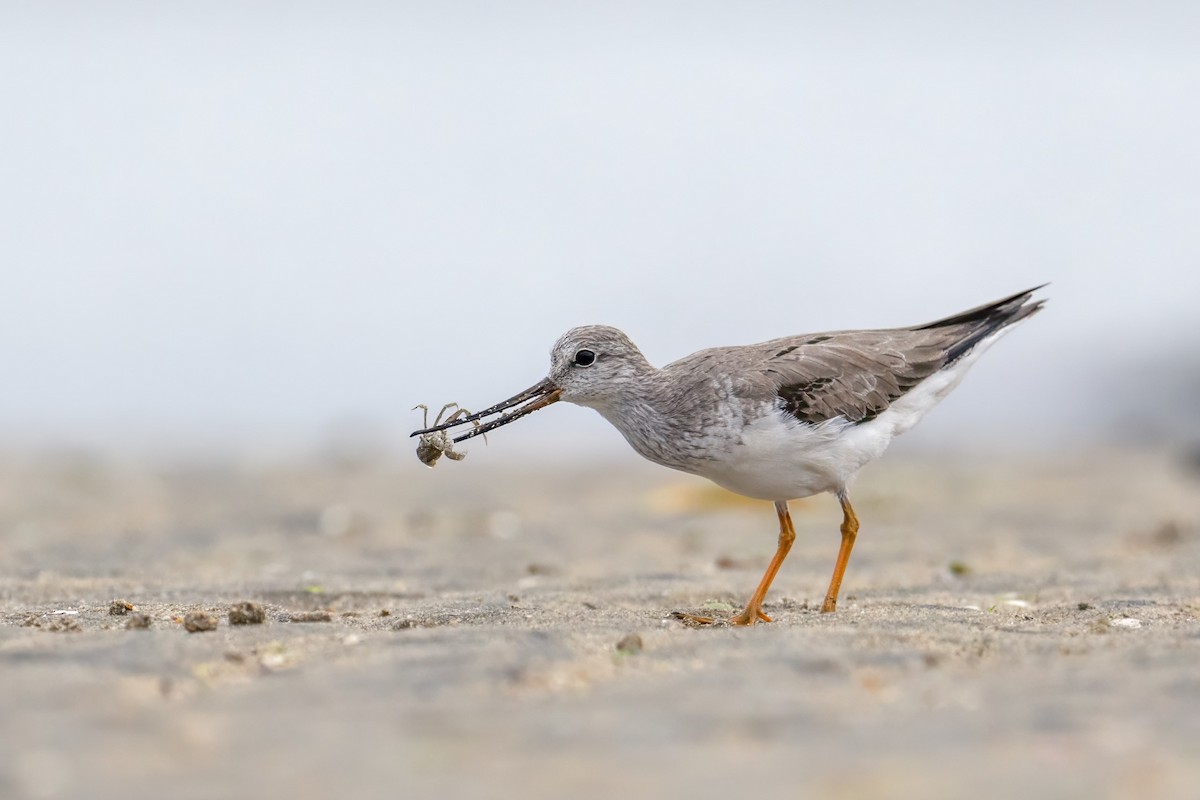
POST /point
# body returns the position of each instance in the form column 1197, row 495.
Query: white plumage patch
column 781, row 458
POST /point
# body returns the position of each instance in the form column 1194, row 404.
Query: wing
column 859, row 374
column 855, row 374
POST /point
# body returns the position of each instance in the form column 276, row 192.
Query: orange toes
column 750, row 616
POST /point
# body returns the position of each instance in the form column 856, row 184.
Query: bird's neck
column 641, row 413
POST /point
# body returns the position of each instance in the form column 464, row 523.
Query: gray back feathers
column 855, row 374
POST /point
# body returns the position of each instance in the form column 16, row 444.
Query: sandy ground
column 1022, row 628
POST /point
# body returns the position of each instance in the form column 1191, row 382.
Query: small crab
column 432, row 446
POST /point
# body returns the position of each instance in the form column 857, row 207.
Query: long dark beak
column 539, row 396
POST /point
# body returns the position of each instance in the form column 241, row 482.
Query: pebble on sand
column 247, row 613
column 119, row 608
column 630, row 644
column 199, row 621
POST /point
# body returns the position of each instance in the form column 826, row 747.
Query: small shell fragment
column 1125, row 622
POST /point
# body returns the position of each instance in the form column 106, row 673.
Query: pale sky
column 252, row 225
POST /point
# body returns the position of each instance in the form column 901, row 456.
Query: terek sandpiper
column 780, row 420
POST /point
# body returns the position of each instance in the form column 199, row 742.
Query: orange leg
column 753, row 612
column 849, row 534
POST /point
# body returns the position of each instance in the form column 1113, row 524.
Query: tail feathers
column 979, row 323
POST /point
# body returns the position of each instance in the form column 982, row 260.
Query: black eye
column 584, row 358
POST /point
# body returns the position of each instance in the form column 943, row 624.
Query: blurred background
column 271, row 228
column 240, row 241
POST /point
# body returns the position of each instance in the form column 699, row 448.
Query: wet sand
column 1021, row 628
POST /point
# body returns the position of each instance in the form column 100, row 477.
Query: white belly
column 780, row 458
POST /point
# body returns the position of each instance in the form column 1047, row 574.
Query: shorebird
column 778, row 421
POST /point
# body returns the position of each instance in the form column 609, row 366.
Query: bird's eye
column 584, row 358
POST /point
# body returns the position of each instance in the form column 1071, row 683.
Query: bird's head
column 594, row 364
column 591, row 366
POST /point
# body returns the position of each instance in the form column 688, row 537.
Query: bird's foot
column 749, row 616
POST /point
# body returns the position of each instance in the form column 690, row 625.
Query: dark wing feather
column 859, row 374
column 971, row 327
column 855, row 375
